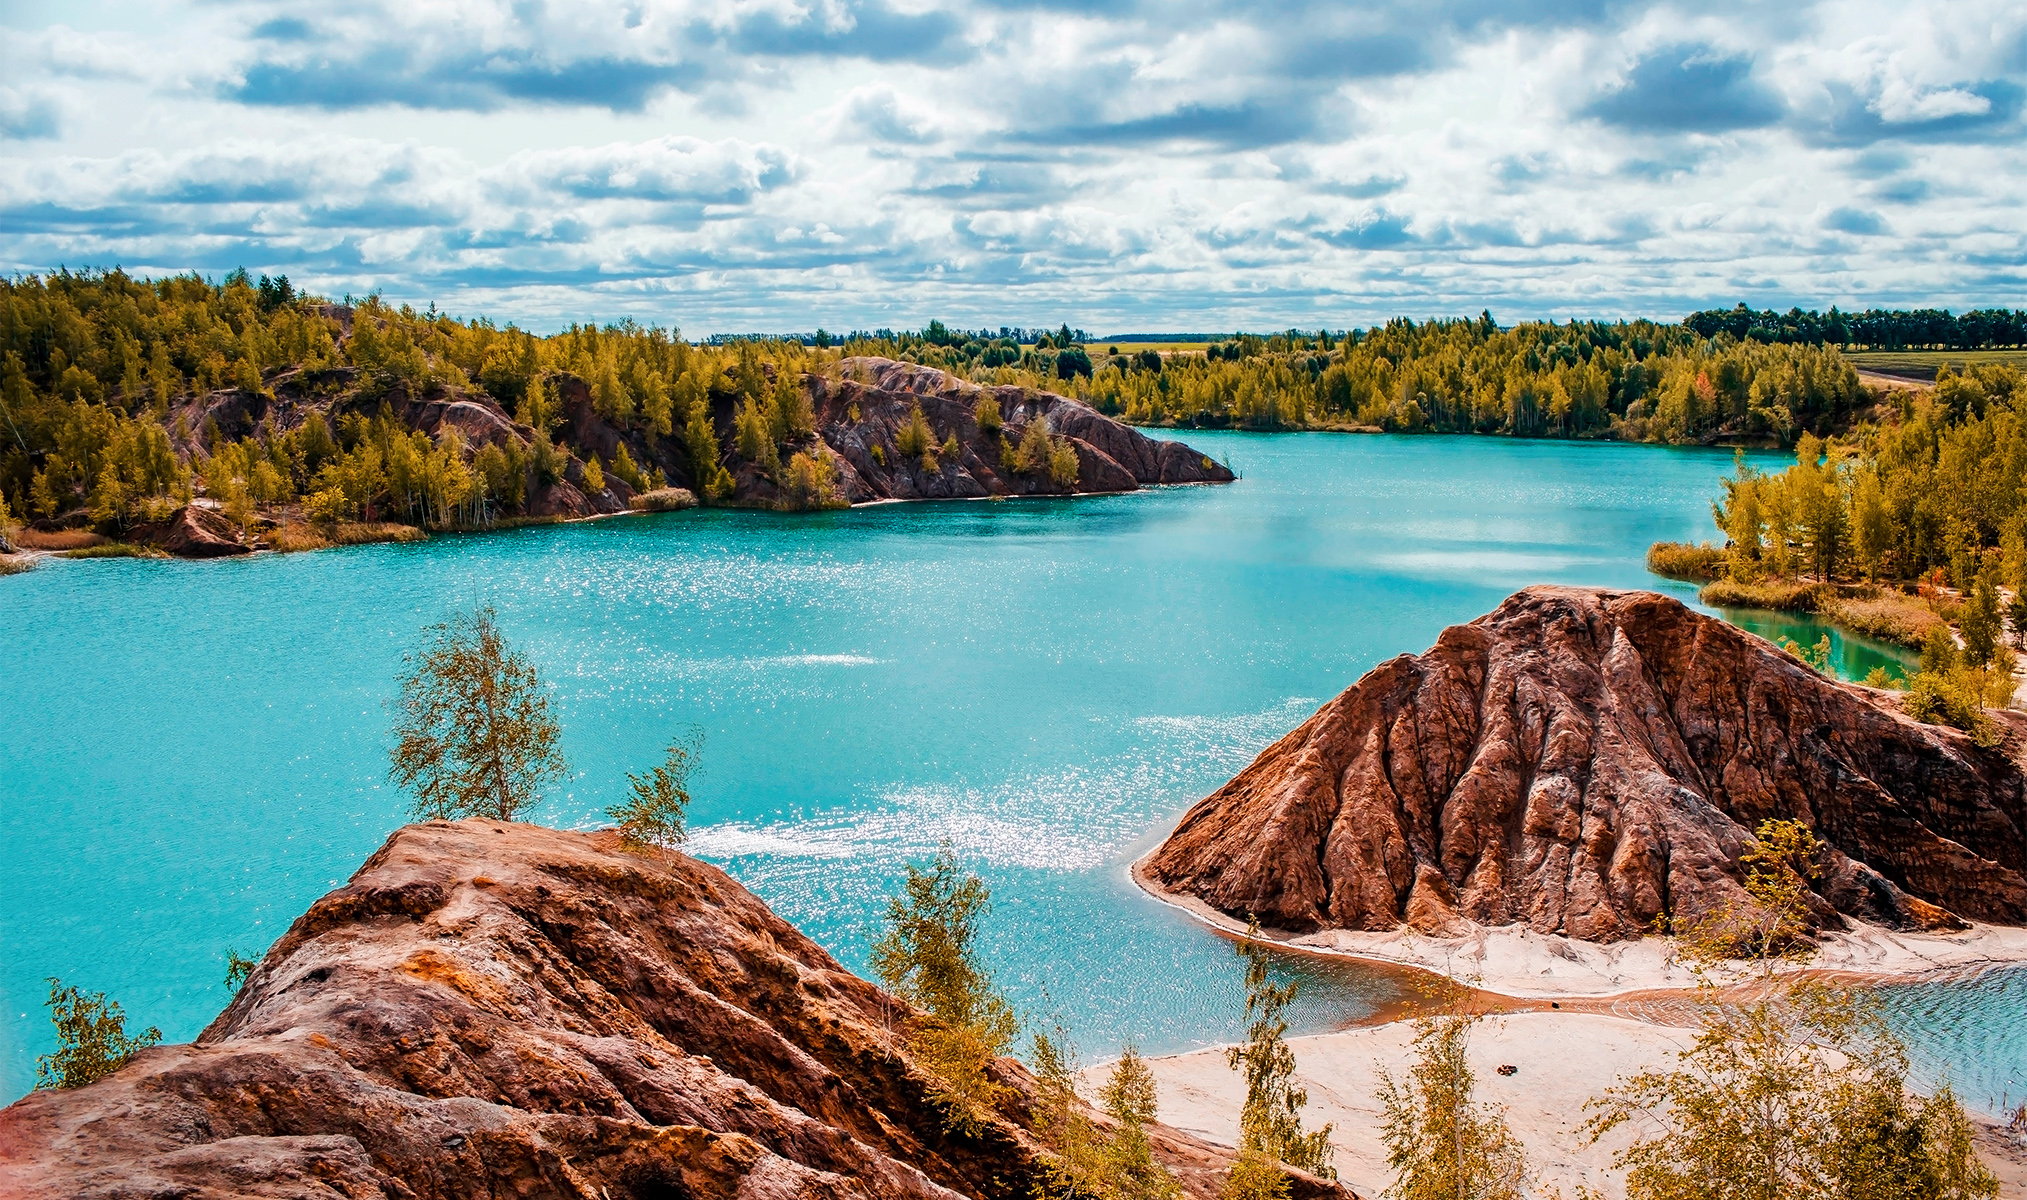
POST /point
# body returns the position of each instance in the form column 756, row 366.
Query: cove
column 196, row 751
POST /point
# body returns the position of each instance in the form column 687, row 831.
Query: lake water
column 196, row 751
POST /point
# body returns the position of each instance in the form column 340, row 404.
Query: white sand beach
column 1521, row 963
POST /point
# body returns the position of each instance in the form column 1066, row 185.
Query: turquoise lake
column 196, row 751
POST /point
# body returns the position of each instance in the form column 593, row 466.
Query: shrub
column 473, row 734
column 652, row 816
column 929, row 956
column 1440, row 1143
column 988, row 416
column 62, row 539
column 238, row 968
column 810, row 483
column 91, row 1039
column 1783, row 595
column 1270, row 1122
column 1888, row 616
column 914, row 438
column 1063, row 465
column 1677, row 560
column 663, row 499
column 116, row 550
column 1032, row 455
column 362, row 533
column 1953, row 698
column 290, row 539
column 1799, row 1094
column 594, row 476
column 327, row 507
column 1084, row 1160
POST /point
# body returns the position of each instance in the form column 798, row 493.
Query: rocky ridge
column 1583, row 762
column 490, row 1009
column 861, row 405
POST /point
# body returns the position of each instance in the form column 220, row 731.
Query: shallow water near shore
column 196, row 751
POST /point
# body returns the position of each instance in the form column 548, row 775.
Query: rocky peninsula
column 494, row 1009
column 1548, row 782
column 865, row 412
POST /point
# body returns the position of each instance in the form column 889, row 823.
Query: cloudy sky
column 1120, row 165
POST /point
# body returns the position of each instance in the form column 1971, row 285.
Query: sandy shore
column 1562, row 1061
column 1621, row 1011
column 1520, row 963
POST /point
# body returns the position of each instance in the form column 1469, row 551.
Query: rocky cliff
column 491, row 1010
column 861, row 405
column 1582, row 762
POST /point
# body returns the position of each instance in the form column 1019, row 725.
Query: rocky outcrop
column 195, row 531
column 491, row 1009
column 1582, row 762
column 866, row 402
column 861, row 405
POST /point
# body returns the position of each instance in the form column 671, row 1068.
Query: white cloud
column 727, row 164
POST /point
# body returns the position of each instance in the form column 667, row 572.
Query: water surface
column 196, row 751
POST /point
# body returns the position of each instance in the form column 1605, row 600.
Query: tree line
column 1873, row 329
column 99, row 371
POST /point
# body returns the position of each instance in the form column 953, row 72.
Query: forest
column 1874, row 329
column 110, row 386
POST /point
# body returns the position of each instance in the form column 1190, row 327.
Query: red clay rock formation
column 491, row 1010
column 195, row 531
column 870, row 399
column 1581, row 762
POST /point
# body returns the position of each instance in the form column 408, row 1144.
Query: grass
column 107, row 549
column 1888, row 616
column 1874, row 612
column 1788, row 595
column 1679, row 560
column 663, row 500
column 291, row 539
column 362, row 533
column 1925, row 364
column 62, row 539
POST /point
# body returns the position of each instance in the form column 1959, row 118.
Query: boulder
column 490, row 1010
column 195, row 531
column 1583, row 762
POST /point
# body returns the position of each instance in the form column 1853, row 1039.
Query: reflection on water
column 196, row 751
column 1969, row 1031
column 1852, row 655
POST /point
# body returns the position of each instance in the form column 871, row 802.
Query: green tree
column 1981, row 623
column 1270, row 1123
column 700, row 442
column 929, row 957
column 651, row 818
column 1440, row 1142
column 914, row 438
column 988, row 416
column 473, row 733
column 1797, row 1096
column 91, row 1038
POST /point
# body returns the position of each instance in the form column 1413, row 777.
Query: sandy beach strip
column 1517, row 962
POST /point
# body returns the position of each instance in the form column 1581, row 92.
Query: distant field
column 1924, row 364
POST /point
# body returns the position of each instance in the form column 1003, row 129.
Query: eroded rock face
column 195, row 531
column 870, row 399
column 1581, row 762
column 491, row 1010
